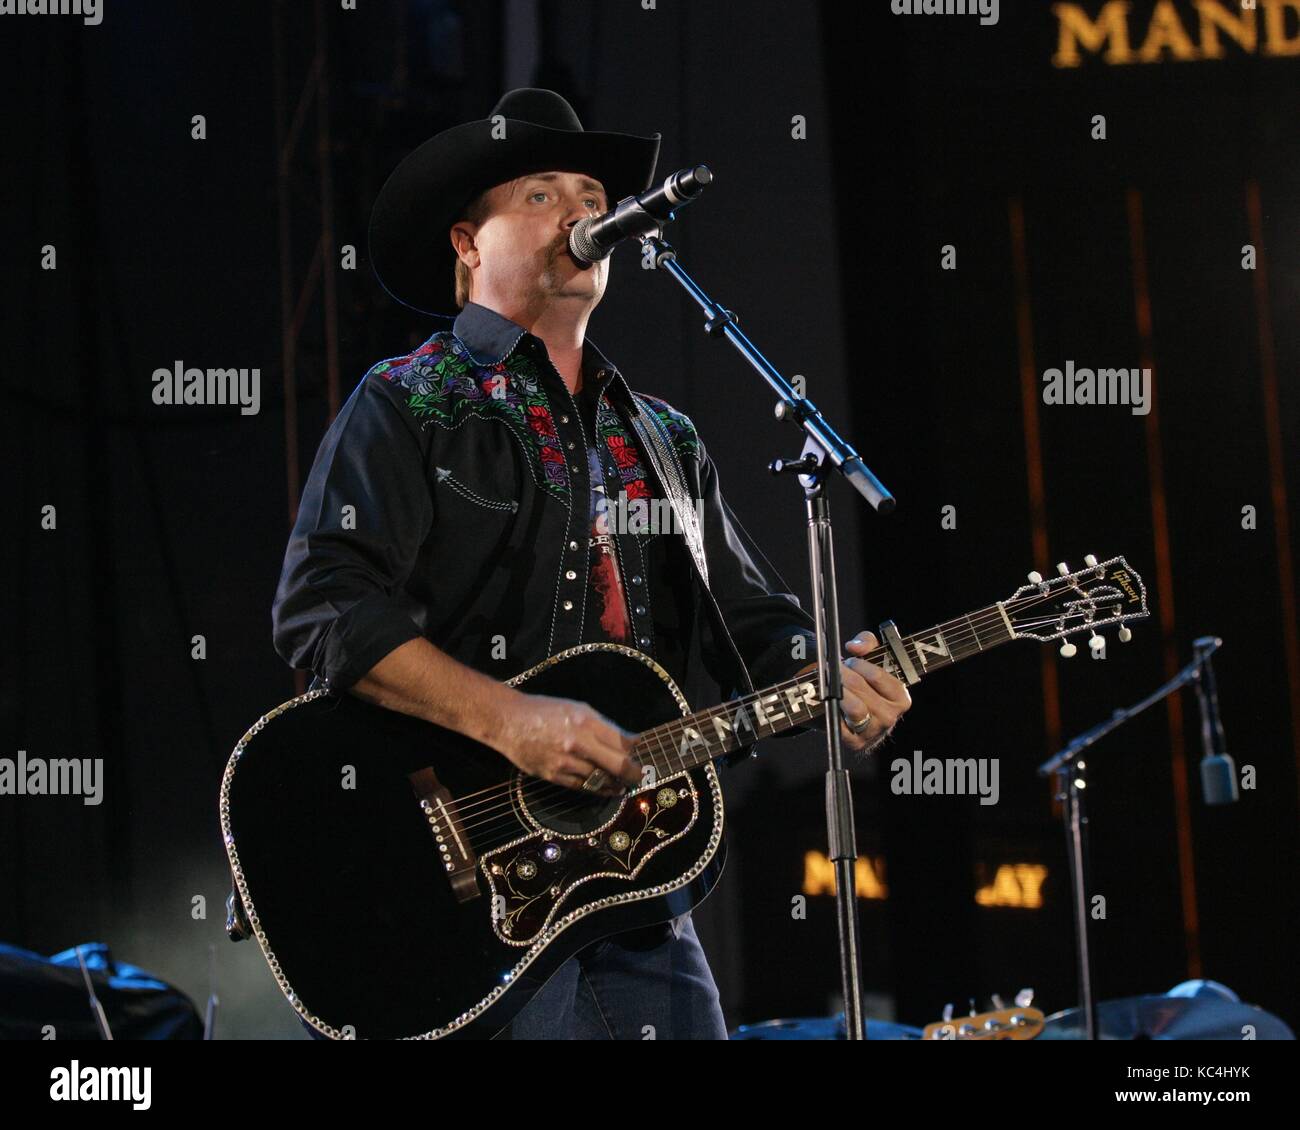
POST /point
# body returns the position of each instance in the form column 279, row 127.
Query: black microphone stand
column 1072, row 784
column 812, row 469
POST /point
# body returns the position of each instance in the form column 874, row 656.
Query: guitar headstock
column 1107, row 592
column 1004, row 1024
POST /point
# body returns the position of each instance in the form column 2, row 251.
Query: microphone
column 1218, row 772
column 593, row 238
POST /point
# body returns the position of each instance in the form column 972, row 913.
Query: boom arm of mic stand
column 722, row 322
column 1077, row 745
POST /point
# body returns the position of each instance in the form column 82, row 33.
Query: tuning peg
column 1067, row 650
column 1024, row 998
column 947, row 1012
column 1035, row 578
column 1063, row 568
column 1097, row 642
column 997, row 1002
column 1124, row 634
column 1090, row 560
column 972, row 1006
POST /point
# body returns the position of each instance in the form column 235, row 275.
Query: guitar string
column 538, row 789
column 491, row 808
column 666, row 730
column 958, row 640
column 502, row 823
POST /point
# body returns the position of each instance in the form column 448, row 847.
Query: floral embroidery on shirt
column 445, row 385
column 623, row 449
column 680, row 428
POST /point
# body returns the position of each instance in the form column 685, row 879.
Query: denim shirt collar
column 491, row 337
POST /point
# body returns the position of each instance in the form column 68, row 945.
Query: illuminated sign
column 868, row 876
column 1014, row 884
column 1184, row 32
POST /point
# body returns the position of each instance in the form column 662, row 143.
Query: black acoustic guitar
column 405, row 881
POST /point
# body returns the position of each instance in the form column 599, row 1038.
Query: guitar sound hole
column 567, row 811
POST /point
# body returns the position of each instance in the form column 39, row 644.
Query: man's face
column 522, row 246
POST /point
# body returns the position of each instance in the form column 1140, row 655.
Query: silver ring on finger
column 858, row 727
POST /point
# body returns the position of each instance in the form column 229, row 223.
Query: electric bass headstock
column 1109, row 592
column 1004, row 1024
column 1020, row 1023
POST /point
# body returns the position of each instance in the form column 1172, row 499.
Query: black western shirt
column 452, row 498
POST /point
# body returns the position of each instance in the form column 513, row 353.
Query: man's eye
column 539, row 192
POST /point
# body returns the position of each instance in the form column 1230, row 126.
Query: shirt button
column 564, row 419
column 571, row 445
column 573, row 467
column 636, row 580
column 568, row 606
column 640, row 609
column 570, row 575
column 573, row 545
column 645, row 641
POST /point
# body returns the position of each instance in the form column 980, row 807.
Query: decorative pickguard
column 530, row 879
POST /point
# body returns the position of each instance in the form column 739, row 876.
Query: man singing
column 455, row 528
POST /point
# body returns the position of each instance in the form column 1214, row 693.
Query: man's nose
column 576, row 210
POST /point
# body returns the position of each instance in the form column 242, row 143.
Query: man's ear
column 462, row 241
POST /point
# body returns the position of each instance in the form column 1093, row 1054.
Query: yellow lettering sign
column 1014, row 884
column 1172, row 32
column 868, row 876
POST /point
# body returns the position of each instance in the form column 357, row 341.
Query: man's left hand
column 868, row 690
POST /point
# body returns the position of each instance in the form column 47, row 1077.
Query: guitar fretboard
column 709, row 734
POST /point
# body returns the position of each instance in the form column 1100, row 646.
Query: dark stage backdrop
column 920, row 215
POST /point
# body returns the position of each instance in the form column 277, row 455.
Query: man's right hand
column 565, row 740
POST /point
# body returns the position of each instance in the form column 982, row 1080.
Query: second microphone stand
column 1072, row 783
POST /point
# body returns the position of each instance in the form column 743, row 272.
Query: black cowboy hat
column 410, row 248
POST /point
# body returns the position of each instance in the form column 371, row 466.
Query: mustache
column 561, row 247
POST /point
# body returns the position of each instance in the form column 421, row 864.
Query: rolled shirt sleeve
column 365, row 511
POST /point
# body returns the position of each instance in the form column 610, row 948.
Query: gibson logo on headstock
column 1121, row 578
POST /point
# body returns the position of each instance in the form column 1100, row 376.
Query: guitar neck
column 709, row 734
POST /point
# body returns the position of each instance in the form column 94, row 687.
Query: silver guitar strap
column 662, row 454
column 664, row 457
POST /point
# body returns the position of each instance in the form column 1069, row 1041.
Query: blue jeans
column 651, row 983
